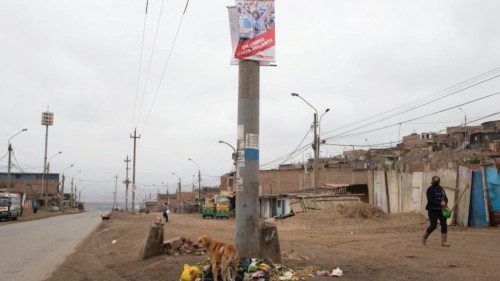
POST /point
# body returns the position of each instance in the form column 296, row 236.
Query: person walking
column 165, row 211
column 436, row 201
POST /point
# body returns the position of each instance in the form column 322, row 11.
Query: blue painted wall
column 477, row 213
column 493, row 183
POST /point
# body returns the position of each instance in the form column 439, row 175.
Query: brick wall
column 293, row 180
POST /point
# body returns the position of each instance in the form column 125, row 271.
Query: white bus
column 10, row 206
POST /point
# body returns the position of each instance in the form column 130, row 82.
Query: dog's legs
column 223, row 270
column 214, row 268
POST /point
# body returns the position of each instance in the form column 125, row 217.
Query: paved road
column 32, row 250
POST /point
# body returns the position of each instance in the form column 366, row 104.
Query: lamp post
column 199, row 184
column 316, row 142
column 61, row 203
column 46, row 178
column 9, row 149
column 80, row 193
column 47, row 120
column 465, row 116
column 465, row 124
column 234, row 156
column 72, row 188
column 179, row 188
column 50, row 159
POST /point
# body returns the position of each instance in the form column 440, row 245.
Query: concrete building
column 429, row 141
column 31, row 183
column 458, row 136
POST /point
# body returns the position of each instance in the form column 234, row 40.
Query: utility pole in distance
column 247, row 172
column 316, row 141
column 126, row 182
column 135, row 137
column 116, row 190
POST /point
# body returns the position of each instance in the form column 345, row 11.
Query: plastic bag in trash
column 337, row 272
column 190, row 273
column 287, row 276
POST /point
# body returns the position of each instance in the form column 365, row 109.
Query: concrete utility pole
column 316, row 141
column 126, row 182
column 134, row 187
column 116, row 190
column 61, row 200
column 179, row 188
column 200, row 209
column 9, row 149
column 316, row 153
column 47, row 120
column 72, row 202
column 73, row 190
column 247, row 172
column 8, row 166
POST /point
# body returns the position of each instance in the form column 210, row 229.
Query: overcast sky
column 359, row 58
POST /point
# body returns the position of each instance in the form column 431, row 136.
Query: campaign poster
column 252, row 24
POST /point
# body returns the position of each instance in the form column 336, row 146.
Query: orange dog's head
column 205, row 241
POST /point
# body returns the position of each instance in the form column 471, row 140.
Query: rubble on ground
column 181, row 246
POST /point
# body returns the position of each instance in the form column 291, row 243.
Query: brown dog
column 221, row 255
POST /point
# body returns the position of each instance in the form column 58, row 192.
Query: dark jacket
column 435, row 195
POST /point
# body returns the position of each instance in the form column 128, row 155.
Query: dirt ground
column 364, row 243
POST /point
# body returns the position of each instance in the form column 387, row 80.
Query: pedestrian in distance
column 436, row 201
column 165, row 212
column 34, row 206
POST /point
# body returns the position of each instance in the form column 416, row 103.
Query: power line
column 87, row 180
column 17, row 163
column 151, row 59
column 4, row 156
column 166, row 66
column 412, row 119
column 420, row 103
column 295, row 150
column 272, row 162
column 303, row 148
column 140, row 61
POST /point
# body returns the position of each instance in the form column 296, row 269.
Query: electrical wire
column 4, row 156
column 140, row 63
column 288, row 155
column 17, row 163
column 165, row 67
column 272, row 162
column 151, row 58
column 298, row 146
column 87, row 180
column 420, row 103
column 412, row 119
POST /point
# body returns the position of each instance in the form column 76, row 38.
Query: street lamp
column 199, row 184
column 465, row 116
column 316, row 142
column 62, row 187
column 234, row 156
column 45, row 181
column 179, row 188
column 9, row 149
column 48, row 163
column 80, row 193
column 73, row 189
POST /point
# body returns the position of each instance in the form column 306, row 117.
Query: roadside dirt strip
column 364, row 243
column 32, row 250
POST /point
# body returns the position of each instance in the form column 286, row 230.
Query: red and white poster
column 252, row 26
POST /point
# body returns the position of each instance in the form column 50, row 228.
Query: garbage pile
column 257, row 270
column 181, row 246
